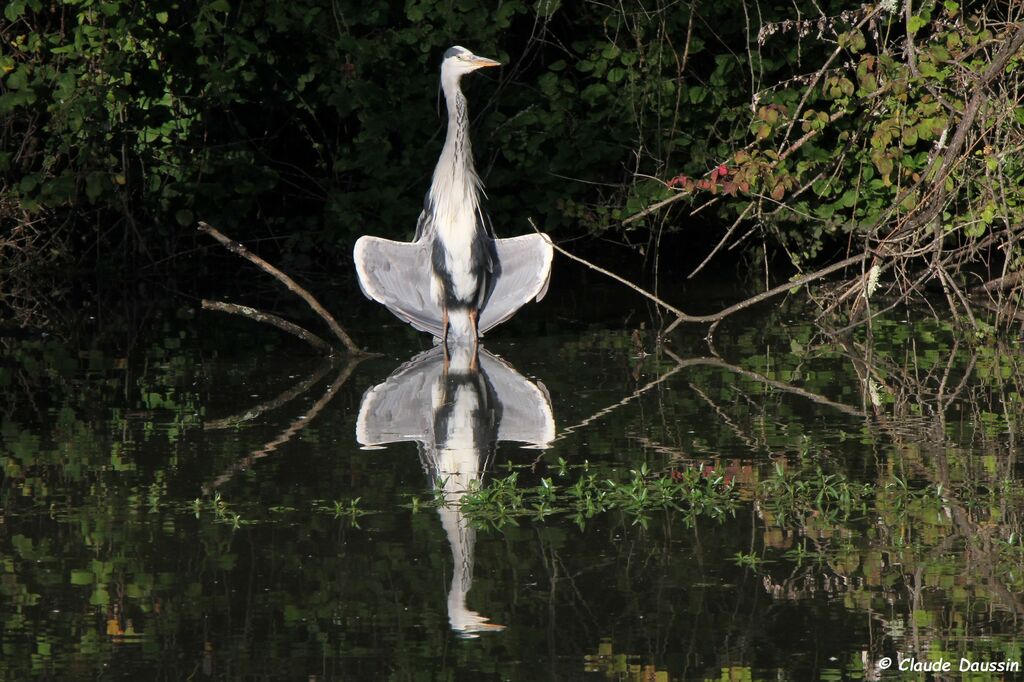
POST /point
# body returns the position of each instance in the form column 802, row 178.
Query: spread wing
column 397, row 275
column 524, row 270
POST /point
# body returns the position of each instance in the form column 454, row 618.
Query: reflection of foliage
column 877, row 526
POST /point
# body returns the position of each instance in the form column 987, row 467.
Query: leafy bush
column 310, row 122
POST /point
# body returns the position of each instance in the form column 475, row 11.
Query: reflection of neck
column 461, row 538
column 459, row 401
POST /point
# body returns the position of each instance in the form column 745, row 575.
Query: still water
column 193, row 496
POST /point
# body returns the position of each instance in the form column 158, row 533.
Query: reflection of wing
column 397, row 274
column 399, row 409
column 525, row 408
column 525, row 269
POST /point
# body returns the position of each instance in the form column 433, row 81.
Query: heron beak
column 481, row 62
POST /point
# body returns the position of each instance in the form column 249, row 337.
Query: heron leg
column 474, row 314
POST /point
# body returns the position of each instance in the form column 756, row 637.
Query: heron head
column 459, row 61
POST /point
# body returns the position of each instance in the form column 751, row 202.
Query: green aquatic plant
column 747, row 560
column 350, row 511
column 219, row 509
column 791, row 495
column 693, row 493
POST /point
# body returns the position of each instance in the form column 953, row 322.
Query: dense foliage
column 813, row 124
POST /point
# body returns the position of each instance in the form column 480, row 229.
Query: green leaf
column 14, row 9
column 857, row 42
column 915, row 24
column 592, row 93
column 99, row 597
column 549, row 7
column 162, row 17
column 82, row 577
column 94, row 185
column 28, row 183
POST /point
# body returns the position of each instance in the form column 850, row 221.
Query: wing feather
column 526, row 415
column 399, row 409
column 397, row 275
column 524, row 273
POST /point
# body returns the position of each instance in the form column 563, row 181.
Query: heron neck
column 455, row 184
column 456, row 140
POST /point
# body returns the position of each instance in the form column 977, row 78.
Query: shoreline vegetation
column 865, row 155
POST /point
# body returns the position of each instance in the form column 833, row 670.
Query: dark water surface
column 193, row 496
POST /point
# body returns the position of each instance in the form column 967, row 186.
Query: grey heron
column 455, row 280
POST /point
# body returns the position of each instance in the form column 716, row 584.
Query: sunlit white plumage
column 455, row 279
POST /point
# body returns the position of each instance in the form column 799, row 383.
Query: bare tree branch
column 239, row 250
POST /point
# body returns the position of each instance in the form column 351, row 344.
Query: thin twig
column 721, row 243
column 714, row 317
column 621, row 280
column 252, row 412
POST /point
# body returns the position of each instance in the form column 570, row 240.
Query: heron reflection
column 456, row 418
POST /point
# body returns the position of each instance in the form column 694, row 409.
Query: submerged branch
column 239, row 250
column 271, row 319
